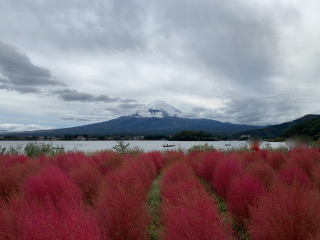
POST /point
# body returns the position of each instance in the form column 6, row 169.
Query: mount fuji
column 156, row 118
column 158, row 109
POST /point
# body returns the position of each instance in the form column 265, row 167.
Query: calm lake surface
column 145, row 145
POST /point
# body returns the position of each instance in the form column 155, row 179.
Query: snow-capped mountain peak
column 159, row 109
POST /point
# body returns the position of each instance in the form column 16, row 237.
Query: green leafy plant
column 34, row 149
column 2, row 150
column 121, row 147
column 203, row 148
column 14, row 150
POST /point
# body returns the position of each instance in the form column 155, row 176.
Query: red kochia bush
column 287, row 212
column 276, row 160
column 121, row 208
column 21, row 220
column 263, row 171
column 107, row 161
column 145, row 167
column 157, row 158
column 13, row 174
column 244, row 192
column 172, row 156
column 68, row 161
column 177, row 181
column 291, row 175
column 179, row 172
column 303, row 159
column 187, row 212
column 225, row 171
column 89, row 179
column 207, row 165
column 9, row 160
column 316, row 176
column 51, row 184
column 195, row 218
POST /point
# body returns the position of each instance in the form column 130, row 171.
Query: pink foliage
column 187, row 212
column 107, row 161
column 207, row 165
column 225, row 171
column 51, row 184
column 121, row 207
column 89, row 179
column 157, row 158
column 9, row 160
column 291, row 175
column 13, row 174
column 179, row 172
column 276, row 160
column 287, row 212
column 263, row 171
column 145, row 168
column 196, row 218
column 68, row 161
column 303, row 159
column 244, row 192
column 316, row 176
column 21, row 220
column 172, row 156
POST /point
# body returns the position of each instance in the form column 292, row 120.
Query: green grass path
column 154, row 201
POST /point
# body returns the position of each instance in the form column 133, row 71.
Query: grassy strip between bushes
column 239, row 231
column 154, row 201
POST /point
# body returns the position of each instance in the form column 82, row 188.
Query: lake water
column 145, row 145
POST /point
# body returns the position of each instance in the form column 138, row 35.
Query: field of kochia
column 170, row 195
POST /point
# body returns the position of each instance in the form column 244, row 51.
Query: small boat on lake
column 227, row 144
column 168, row 145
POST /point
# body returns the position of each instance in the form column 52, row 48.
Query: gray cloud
column 75, row 96
column 237, row 41
column 69, row 95
column 20, row 74
column 82, row 25
column 131, row 106
column 21, row 127
column 265, row 109
column 84, row 118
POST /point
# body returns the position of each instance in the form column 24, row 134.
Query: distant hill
column 193, row 136
column 275, row 131
column 133, row 125
column 310, row 128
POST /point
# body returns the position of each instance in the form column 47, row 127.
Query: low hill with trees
column 193, row 136
column 309, row 128
column 276, row 131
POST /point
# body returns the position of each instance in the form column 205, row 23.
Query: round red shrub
column 287, row 212
column 263, row 171
column 23, row 220
column 89, row 179
column 225, row 171
column 276, row 160
column 207, row 165
column 293, row 174
column 172, row 156
column 51, row 184
column 302, row 158
column 121, row 207
column 244, row 192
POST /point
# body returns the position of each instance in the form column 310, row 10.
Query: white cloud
column 11, row 127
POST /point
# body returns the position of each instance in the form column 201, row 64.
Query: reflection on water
column 144, row 145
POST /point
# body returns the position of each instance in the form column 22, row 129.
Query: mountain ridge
column 145, row 126
column 275, row 131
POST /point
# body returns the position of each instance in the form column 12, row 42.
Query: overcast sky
column 74, row 62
